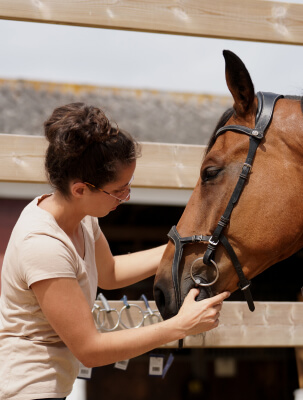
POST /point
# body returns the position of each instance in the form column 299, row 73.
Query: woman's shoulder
column 92, row 226
column 35, row 222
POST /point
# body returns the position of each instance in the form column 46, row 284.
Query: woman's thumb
column 193, row 293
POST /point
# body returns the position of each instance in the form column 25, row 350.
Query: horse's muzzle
column 166, row 301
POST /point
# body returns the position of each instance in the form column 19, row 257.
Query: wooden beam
column 255, row 20
column 161, row 165
column 299, row 353
column 272, row 324
column 21, row 158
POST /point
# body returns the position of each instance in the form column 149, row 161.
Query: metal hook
column 151, row 314
column 125, row 302
column 104, row 301
column 143, row 297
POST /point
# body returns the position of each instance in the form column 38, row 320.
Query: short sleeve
column 96, row 228
column 46, row 257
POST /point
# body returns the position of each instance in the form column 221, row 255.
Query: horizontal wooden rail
column 272, row 324
column 161, row 165
column 255, row 20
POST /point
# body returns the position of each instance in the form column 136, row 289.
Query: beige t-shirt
column 34, row 362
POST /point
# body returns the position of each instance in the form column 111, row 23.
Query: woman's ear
column 78, row 189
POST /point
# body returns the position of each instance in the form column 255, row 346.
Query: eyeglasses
column 123, row 192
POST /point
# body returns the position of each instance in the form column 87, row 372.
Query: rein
column 266, row 104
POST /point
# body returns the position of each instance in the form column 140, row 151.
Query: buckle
column 210, row 241
column 244, row 174
column 248, row 166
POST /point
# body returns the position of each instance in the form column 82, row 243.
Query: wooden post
column 299, row 357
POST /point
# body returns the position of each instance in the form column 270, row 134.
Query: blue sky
column 141, row 60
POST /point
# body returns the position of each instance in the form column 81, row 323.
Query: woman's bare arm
column 66, row 309
column 124, row 270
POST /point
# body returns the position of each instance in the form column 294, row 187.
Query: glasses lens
column 126, row 196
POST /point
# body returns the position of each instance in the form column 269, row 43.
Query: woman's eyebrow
column 123, row 186
column 127, row 184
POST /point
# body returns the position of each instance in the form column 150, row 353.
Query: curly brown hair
column 84, row 145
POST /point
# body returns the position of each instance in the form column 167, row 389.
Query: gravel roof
column 150, row 116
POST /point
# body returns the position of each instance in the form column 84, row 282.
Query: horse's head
column 255, row 187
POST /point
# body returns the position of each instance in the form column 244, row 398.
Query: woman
column 57, row 255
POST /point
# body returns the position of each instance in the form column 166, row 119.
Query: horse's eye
column 210, row 173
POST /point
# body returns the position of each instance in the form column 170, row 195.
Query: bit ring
column 197, row 282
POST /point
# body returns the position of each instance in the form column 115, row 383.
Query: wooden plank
column 169, row 165
column 256, row 20
column 161, row 165
column 272, row 324
column 21, row 158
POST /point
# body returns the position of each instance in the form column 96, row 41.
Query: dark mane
column 229, row 112
column 298, row 98
column 222, row 121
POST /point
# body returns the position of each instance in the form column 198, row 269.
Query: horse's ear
column 239, row 83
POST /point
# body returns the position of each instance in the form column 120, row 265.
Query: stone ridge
column 149, row 115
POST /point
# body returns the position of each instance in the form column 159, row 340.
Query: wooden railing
column 257, row 20
column 272, row 324
column 174, row 166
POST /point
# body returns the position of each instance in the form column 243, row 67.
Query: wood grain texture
column 161, row 165
column 254, row 20
column 272, row 324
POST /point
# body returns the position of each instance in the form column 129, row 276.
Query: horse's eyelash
column 209, row 170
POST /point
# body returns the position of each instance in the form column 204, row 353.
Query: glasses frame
column 128, row 188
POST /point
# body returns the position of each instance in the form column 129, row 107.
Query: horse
column 245, row 213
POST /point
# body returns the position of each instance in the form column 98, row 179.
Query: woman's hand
column 200, row 316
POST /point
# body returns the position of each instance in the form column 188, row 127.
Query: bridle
column 266, row 104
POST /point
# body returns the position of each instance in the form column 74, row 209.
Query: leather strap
column 179, row 242
column 266, row 104
column 244, row 284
